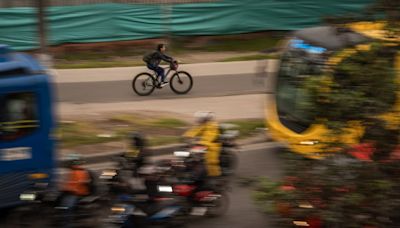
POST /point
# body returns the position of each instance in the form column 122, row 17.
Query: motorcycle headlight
column 181, row 154
column 119, row 213
column 118, row 209
column 301, row 223
column 165, row 188
column 108, row 174
column 28, row 196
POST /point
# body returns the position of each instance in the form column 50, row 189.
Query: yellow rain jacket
column 208, row 134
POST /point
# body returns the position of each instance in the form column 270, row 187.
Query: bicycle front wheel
column 181, row 82
column 143, row 84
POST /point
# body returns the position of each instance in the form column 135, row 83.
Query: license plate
column 198, row 211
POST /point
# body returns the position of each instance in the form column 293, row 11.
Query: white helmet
column 203, row 116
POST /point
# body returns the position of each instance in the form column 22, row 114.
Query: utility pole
column 166, row 9
column 44, row 57
column 41, row 7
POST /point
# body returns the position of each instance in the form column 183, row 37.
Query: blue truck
column 27, row 123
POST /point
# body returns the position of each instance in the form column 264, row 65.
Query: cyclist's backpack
column 147, row 58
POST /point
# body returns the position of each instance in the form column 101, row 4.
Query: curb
column 125, row 73
column 160, row 150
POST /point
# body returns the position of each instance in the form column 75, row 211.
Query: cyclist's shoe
column 164, row 84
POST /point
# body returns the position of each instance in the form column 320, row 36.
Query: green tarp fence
column 118, row 22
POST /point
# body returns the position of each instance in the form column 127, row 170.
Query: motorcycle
column 70, row 210
column 228, row 158
column 34, row 199
column 154, row 206
column 48, row 199
column 124, row 179
column 84, row 213
column 205, row 196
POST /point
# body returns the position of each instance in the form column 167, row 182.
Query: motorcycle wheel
column 220, row 206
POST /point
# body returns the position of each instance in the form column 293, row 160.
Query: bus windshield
column 293, row 100
column 18, row 115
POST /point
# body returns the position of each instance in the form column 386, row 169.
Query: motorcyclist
column 78, row 178
column 137, row 151
column 127, row 176
column 208, row 133
column 78, row 184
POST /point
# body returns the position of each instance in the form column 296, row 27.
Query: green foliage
column 247, row 127
column 340, row 190
column 391, row 12
column 169, row 123
column 370, row 78
column 363, row 85
column 360, row 88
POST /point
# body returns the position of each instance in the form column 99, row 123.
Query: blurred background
column 312, row 88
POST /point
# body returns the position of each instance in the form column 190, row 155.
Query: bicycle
column 181, row 82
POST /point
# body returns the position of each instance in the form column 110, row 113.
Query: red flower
column 287, row 188
column 362, row 151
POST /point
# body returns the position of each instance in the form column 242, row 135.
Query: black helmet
column 74, row 159
column 137, row 139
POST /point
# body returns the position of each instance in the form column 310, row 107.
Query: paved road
column 261, row 161
column 121, row 91
column 256, row 160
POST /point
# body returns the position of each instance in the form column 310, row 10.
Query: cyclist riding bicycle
column 154, row 59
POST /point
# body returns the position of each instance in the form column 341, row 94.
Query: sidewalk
column 226, row 107
column 198, row 69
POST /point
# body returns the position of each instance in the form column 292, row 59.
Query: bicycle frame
column 166, row 69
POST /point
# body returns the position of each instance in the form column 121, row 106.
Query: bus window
column 18, row 115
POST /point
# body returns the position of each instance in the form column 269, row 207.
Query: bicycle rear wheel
column 143, row 84
column 181, row 82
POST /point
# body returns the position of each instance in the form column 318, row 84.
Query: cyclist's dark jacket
column 155, row 58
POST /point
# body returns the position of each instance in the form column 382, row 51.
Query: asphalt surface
column 121, row 91
column 257, row 160
column 243, row 213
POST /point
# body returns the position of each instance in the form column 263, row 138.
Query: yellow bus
column 309, row 53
